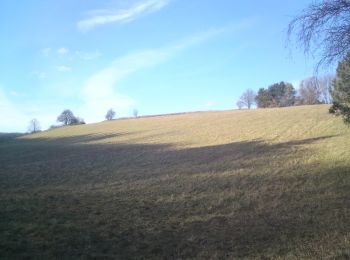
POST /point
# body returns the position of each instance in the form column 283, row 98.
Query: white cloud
column 16, row 93
column 101, row 17
column 62, row 51
column 88, row 55
column 63, row 68
column 39, row 74
column 98, row 93
column 45, row 52
column 15, row 117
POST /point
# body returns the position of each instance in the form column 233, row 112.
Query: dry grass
column 271, row 183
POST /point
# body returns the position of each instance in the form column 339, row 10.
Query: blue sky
column 159, row 56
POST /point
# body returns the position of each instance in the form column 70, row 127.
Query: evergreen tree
column 277, row 95
column 263, row 98
column 341, row 90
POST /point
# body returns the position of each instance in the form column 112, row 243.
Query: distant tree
column 110, row 114
column 341, row 91
column 288, row 96
column 276, row 95
column 298, row 101
column 323, row 28
column 282, row 94
column 135, row 112
column 34, row 126
column 263, row 98
column 77, row 121
column 67, row 118
column 325, row 86
column 54, row 126
column 310, row 92
column 81, row 121
column 239, row 104
column 248, row 98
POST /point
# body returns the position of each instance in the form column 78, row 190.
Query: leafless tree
column 66, row 117
column 323, row 28
column 34, row 126
column 135, row 112
column 248, row 98
column 325, row 86
column 110, row 114
column 309, row 91
column 316, row 90
column 239, row 104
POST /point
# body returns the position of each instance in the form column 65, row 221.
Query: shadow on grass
column 244, row 199
column 5, row 137
column 75, row 160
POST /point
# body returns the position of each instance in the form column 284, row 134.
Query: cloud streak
column 98, row 93
column 62, row 51
column 101, row 17
column 16, row 115
column 63, row 68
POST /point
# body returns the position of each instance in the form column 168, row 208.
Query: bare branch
column 323, row 28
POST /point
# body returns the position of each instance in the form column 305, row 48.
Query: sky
column 156, row 56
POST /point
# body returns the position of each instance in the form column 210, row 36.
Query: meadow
column 258, row 184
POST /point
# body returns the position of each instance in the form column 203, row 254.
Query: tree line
column 311, row 91
column 67, row 118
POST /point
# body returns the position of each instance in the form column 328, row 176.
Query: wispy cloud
column 99, row 94
column 101, row 17
column 45, row 52
column 100, row 91
column 39, row 74
column 63, row 68
column 16, row 115
column 62, row 51
column 16, row 93
column 88, row 55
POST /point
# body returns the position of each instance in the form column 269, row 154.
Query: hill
column 272, row 183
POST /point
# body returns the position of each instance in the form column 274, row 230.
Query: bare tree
column 248, row 98
column 309, row 91
column 110, row 114
column 316, row 90
column 325, row 86
column 66, row 117
column 135, row 112
column 34, row 126
column 323, row 28
column 239, row 104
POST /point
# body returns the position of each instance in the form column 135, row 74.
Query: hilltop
column 270, row 183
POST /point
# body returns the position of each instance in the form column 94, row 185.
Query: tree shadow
column 5, row 137
column 73, row 198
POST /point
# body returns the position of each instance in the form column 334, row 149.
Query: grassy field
column 262, row 184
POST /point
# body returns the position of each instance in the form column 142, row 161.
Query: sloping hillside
column 262, row 183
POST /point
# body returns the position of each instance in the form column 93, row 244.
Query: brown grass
column 271, row 183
